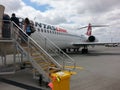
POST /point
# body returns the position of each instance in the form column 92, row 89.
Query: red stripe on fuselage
column 61, row 30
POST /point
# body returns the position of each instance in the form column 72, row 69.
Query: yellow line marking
column 76, row 67
column 73, row 73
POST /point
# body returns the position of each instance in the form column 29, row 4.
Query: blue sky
column 42, row 8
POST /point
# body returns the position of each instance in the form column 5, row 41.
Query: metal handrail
column 32, row 46
column 62, row 56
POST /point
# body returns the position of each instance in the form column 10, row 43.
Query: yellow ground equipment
column 60, row 80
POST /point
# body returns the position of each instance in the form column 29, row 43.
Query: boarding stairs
column 41, row 61
column 53, row 50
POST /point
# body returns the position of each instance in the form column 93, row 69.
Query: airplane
column 65, row 40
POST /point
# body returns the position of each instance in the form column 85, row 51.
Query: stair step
column 36, row 54
column 44, row 65
column 53, row 70
column 37, row 58
column 24, row 44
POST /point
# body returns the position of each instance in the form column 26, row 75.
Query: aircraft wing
column 94, row 43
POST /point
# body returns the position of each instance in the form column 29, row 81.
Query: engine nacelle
column 91, row 39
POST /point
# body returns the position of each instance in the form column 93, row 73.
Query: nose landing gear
column 84, row 50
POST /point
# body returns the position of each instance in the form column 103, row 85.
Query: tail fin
column 89, row 30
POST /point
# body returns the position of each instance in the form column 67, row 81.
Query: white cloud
column 70, row 14
column 11, row 5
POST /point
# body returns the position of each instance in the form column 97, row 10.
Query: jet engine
column 91, row 39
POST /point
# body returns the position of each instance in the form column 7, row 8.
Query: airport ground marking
column 76, row 67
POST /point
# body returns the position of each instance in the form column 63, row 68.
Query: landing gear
column 64, row 50
column 84, row 50
column 71, row 50
column 76, row 50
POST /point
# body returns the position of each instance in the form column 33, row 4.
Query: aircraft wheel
column 76, row 50
column 84, row 51
column 64, row 50
column 68, row 50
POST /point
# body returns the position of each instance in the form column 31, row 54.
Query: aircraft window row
column 51, row 31
column 54, row 32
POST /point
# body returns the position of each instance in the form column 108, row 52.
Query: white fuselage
column 62, row 39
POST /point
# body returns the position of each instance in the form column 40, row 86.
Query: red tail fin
column 89, row 30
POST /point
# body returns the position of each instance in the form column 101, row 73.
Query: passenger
column 15, row 19
column 27, row 26
column 32, row 27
